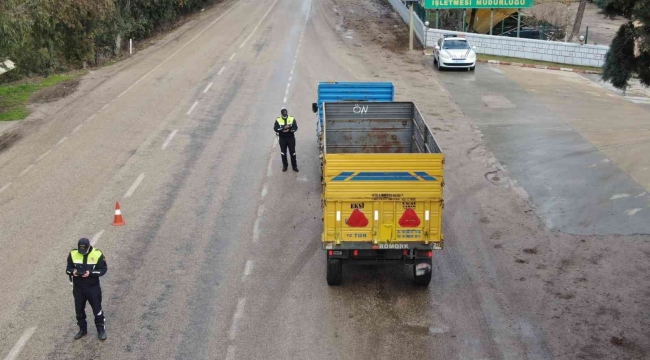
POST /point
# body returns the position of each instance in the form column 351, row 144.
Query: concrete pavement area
column 577, row 149
column 220, row 256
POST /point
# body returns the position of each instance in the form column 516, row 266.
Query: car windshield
column 455, row 45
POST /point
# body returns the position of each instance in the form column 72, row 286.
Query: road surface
column 220, row 257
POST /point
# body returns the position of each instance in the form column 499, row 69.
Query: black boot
column 284, row 168
column 80, row 334
column 295, row 168
column 101, row 334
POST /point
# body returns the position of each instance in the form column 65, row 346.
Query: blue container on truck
column 350, row 91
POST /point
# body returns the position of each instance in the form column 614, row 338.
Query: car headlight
column 472, row 56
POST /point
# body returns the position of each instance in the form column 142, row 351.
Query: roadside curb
column 557, row 68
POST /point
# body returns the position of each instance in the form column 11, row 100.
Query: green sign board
column 479, row 4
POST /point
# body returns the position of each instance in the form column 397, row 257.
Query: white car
column 454, row 52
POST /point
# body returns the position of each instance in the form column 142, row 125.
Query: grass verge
column 15, row 97
column 535, row 62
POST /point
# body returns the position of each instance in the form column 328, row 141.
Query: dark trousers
column 288, row 142
column 92, row 294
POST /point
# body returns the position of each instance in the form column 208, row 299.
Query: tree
column 578, row 22
column 472, row 17
column 621, row 53
column 629, row 52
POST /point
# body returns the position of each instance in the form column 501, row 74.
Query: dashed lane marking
column 239, row 313
column 15, row 351
column 26, row 170
column 207, row 88
column 43, row 155
column 169, row 139
column 135, row 185
column 248, row 269
column 230, row 355
column 4, row 187
column 180, row 49
column 95, row 239
column 221, row 70
column 258, row 24
column 192, row 108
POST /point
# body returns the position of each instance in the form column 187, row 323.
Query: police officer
column 85, row 265
column 285, row 127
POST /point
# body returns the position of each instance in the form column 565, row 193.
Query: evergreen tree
column 620, row 61
column 630, row 50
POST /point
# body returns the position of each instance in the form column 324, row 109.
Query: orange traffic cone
column 119, row 221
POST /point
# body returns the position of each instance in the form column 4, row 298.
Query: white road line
column 239, row 312
column 256, row 230
column 264, row 191
column 230, row 355
column 4, row 187
column 43, row 155
column 77, row 128
column 221, row 70
column 62, row 141
column 179, row 50
column 290, row 78
column 207, row 88
column 284, row 100
column 15, row 351
column 169, row 138
column 192, row 108
column 249, row 268
column 260, row 210
column 26, row 170
column 105, row 107
column 258, row 24
column 269, row 167
column 631, row 212
column 135, row 185
column 619, row 196
column 291, row 73
column 275, row 144
column 91, row 117
column 95, row 238
column 232, row 56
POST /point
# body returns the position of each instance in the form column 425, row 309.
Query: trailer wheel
column 334, row 272
column 425, row 278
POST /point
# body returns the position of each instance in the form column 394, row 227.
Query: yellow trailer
column 383, row 178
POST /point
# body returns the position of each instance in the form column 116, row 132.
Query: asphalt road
column 220, row 257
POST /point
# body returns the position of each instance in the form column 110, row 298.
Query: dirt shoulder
column 561, row 296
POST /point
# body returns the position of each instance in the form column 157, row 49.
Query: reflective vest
column 91, row 261
column 280, row 121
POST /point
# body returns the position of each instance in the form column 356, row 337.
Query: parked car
column 454, row 51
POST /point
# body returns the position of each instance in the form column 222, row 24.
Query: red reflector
column 406, row 252
column 356, row 252
column 409, row 219
column 357, row 219
column 429, row 253
column 330, row 253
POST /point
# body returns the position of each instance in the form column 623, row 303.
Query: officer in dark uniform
column 85, row 265
column 285, row 127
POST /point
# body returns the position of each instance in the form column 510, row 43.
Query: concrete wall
column 553, row 51
column 403, row 11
